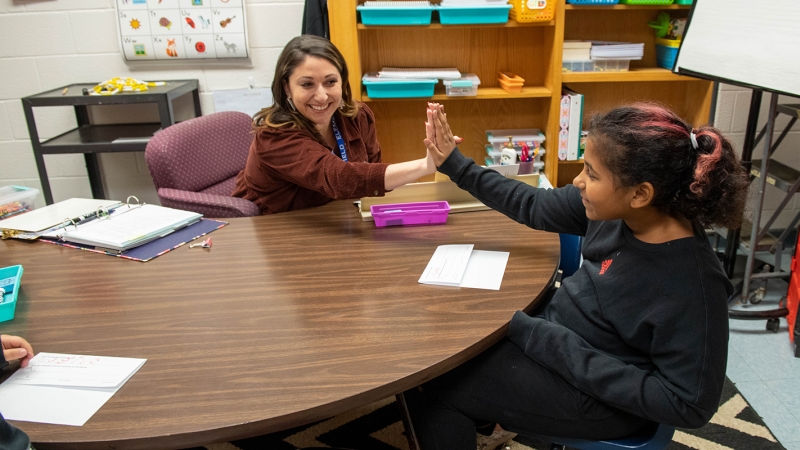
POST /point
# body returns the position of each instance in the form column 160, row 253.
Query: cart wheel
column 797, row 351
column 774, row 325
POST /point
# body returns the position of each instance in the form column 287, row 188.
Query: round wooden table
column 286, row 320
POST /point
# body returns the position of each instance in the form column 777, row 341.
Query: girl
column 315, row 143
column 639, row 333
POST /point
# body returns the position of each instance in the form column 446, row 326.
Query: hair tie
column 693, row 137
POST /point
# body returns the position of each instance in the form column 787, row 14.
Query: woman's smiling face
column 315, row 87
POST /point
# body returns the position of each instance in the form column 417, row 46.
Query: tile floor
column 762, row 365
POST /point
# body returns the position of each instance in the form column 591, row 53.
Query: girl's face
column 315, row 87
column 602, row 200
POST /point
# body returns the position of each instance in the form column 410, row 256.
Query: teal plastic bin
column 400, row 88
column 9, row 277
column 396, row 15
column 472, row 14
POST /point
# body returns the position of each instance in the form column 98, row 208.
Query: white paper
column 64, row 389
column 447, row 265
column 51, row 215
column 506, row 170
column 248, row 101
column 54, row 369
column 477, row 269
column 485, row 270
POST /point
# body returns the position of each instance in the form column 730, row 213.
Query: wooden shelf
column 613, row 7
column 531, row 50
column 648, row 74
column 483, row 93
column 435, row 26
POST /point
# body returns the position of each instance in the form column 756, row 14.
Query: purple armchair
column 194, row 164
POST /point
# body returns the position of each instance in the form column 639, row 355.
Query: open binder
column 127, row 227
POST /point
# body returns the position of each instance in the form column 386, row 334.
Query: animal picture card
column 175, row 30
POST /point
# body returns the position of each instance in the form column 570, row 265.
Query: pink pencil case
column 418, row 213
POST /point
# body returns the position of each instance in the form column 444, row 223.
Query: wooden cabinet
column 532, row 51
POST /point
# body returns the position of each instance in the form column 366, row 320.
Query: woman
column 315, row 143
column 639, row 334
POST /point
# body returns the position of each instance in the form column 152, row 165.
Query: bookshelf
column 532, row 51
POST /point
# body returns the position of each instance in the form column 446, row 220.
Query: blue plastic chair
column 570, row 253
column 653, row 437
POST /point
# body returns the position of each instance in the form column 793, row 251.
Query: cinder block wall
column 51, row 43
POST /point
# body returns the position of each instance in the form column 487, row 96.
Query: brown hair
column 281, row 114
column 647, row 142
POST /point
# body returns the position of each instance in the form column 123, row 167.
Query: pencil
column 64, row 91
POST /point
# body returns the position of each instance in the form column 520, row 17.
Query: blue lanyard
column 339, row 139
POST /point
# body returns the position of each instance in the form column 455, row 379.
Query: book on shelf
column 444, row 73
column 563, row 127
column 616, row 50
column 576, row 50
column 575, row 126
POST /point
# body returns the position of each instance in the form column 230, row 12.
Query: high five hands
column 439, row 140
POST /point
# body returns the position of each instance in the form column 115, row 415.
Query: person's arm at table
column 15, row 348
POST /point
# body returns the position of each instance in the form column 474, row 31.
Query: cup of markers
column 10, row 278
column 525, row 160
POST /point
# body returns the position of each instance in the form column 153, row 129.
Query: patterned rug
column 735, row 426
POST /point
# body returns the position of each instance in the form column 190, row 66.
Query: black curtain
column 315, row 18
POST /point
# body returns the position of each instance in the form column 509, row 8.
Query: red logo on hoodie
column 604, row 265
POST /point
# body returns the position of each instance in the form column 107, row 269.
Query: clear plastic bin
column 599, row 65
column 16, row 200
column 466, row 86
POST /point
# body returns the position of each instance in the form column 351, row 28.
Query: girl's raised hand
column 439, row 139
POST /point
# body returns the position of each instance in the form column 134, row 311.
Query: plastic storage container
column 599, row 65
column 498, row 138
column 466, row 86
column 511, row 83
column 389, row 13
column 532, row 10
column 396, row 88
column 419, row 213
column 9, row 276
column 16, row 200
column 471, row 14
column 684, row 2
column 646, row 2
column 666, row 52
column 593, row 2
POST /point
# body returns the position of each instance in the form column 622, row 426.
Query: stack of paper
column 395, row 73
column 576, row 51
column 459, row 265
column 616, row 50
column 64, row 389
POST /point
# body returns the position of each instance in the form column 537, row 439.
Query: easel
column 757, row 234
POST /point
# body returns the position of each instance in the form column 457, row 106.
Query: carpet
column 735, row 426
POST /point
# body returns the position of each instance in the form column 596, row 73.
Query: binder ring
column 101, row 213
column 67, row 222
column 128, row 201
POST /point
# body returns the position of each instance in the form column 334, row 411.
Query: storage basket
column 532, row 10
column 666, row 52
column 593, row 2
column 646, row 2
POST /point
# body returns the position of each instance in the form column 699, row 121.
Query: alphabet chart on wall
column 174, row 30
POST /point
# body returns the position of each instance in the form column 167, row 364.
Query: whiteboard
column 748, row 43
column 158, row 31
